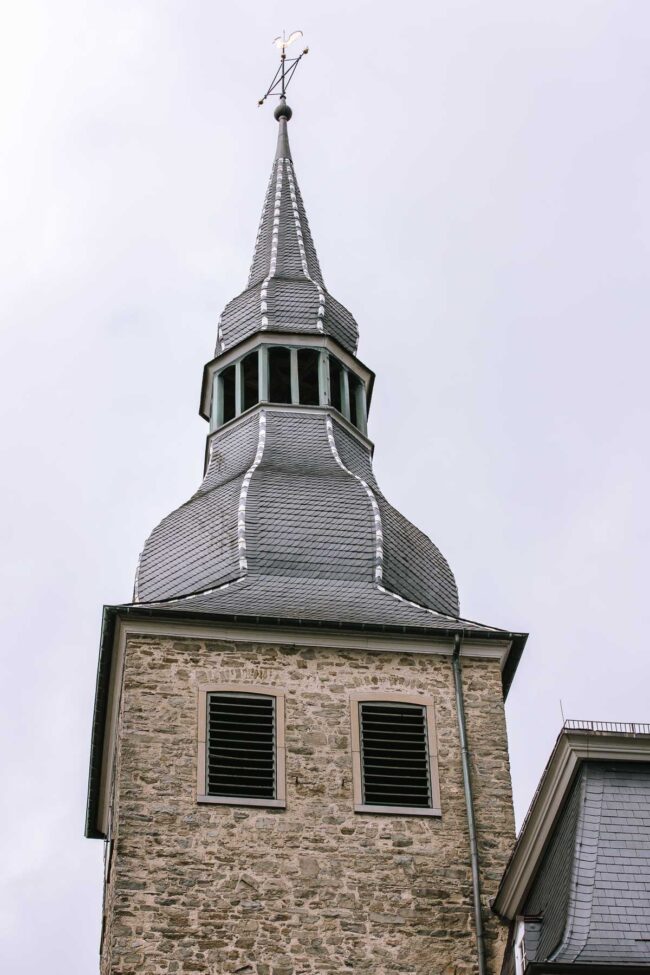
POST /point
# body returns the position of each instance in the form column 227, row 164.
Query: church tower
column 299, row 759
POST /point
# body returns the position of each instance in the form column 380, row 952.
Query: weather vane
column 287, row 68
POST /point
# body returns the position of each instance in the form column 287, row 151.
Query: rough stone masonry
column 315, row 887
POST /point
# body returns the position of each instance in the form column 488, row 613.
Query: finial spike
column 283, row 151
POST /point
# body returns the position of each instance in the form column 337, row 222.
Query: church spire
column 285, row 289
column 289, row 516
column 284, row 247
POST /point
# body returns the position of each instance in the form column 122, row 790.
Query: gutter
column 587, row 968
column 469, row 803
column 106, row 647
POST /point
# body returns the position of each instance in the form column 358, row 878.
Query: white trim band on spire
column 243, row 494
column 409, row 602
column 376, row 516
column 301, row 245
column 260, row 225
column 274, row 245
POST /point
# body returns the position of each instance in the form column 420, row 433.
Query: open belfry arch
column 299, row 758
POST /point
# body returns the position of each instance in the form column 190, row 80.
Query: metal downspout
column 469, row 802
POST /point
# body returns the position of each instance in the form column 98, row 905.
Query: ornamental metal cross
column 287, row 69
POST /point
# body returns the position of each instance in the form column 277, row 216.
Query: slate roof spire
column 284, row 245
column 285, row 289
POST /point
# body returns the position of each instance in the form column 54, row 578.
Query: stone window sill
column 239, row 801
column 397, row 810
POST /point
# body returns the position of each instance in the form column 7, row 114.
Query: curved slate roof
column 328, row 602
column 289, row 507
column 590, row 902
column 291, row 493
column 285, row 290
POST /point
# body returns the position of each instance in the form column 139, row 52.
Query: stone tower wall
column 313, row 888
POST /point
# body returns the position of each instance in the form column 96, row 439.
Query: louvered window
column 395, row 767
column 336, row 383
column 250, row 380
column 355, row 391
column 308, row 381
column 228, row 383
column 241, row 746
column 395, row 756
column 279, row 375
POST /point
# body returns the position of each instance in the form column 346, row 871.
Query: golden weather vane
column 287, row 69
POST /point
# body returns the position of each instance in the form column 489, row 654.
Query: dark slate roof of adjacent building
column 608, row 910
column 285, row 290
column 588, row 900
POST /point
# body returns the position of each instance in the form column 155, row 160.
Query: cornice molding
column 313, row 637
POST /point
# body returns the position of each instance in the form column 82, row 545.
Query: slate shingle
column 319, row 600
column 286, row 266
column 305, row 515
column 593, row 887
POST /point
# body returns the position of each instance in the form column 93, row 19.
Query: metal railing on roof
column 605, row 727
column 597, row 727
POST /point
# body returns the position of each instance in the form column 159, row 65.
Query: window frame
column 202, row 795
column 394, row 697
column 519, row 947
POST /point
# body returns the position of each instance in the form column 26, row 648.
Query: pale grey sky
column 477, row 178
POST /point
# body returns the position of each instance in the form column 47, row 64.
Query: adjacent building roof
column 580, row 873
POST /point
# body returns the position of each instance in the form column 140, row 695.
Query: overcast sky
column 477, row 179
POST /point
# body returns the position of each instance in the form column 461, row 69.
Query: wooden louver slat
column 240, row 752
column 394, row 754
